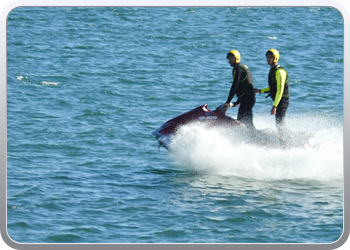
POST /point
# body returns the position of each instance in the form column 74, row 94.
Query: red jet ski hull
column 200, row 114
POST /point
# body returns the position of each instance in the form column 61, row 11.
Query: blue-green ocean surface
column 87, row 86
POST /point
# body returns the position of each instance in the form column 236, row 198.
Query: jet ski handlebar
column 223, row 109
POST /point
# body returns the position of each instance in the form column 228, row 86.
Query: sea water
column 86, row 86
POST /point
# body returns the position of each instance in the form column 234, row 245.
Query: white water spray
column 224, row 151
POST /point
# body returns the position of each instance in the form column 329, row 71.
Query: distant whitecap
column 49, row 83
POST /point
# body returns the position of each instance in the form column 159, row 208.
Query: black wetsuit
column 242, row 87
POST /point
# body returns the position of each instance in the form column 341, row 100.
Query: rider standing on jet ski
column 242, row 87
column 278, row 89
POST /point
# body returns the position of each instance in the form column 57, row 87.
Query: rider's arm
column 265, row 90
column 236, row 78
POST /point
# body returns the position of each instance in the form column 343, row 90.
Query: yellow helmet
column 275, row 53
column 236, row 54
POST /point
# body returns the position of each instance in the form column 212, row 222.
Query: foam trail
column 222, row 151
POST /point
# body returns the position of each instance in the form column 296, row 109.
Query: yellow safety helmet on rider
column 275, row 53
column 236, row 54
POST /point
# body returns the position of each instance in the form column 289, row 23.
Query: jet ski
column 218, row 117
column 200, row 114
